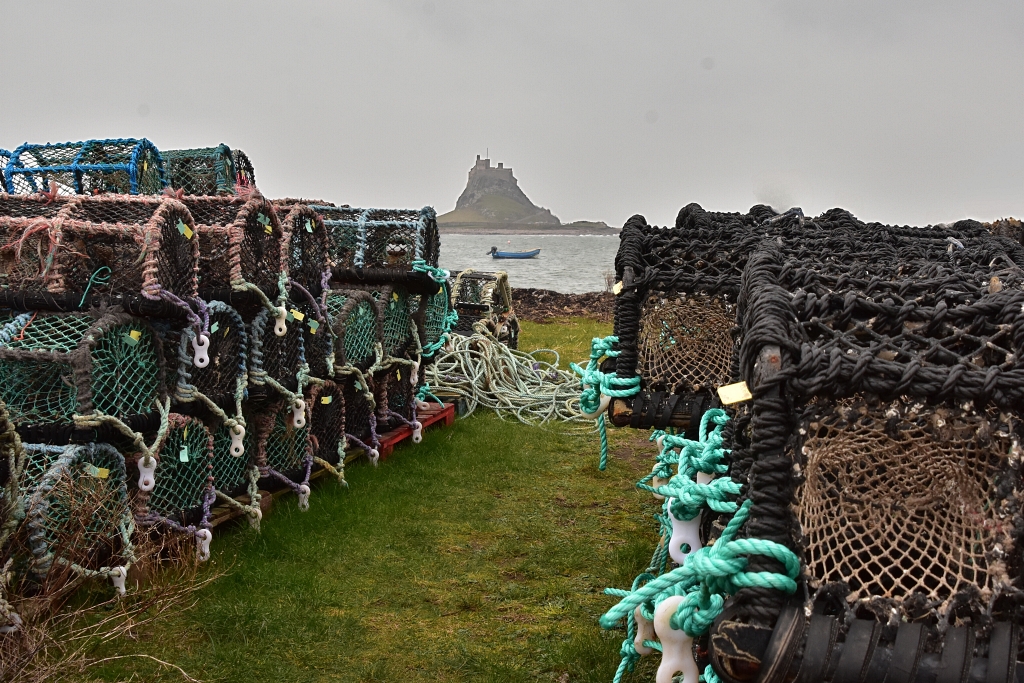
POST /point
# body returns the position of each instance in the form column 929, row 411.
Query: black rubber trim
column 1002, row 653
column 413, row 281
column 70, row 302
column 957, row 652
column 787, row 637
column 857, row 651
column 906, row 653
column 821, row 639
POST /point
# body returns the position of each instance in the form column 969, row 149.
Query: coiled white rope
column 487, row 373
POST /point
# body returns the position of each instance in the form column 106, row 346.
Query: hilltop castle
column 492, row 195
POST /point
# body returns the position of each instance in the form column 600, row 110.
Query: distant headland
column 494, row 204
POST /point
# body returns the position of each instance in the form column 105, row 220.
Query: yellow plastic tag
column 734, row 393
column 398, row 374
column 298, row 315
column 99, row 472
column 326, row 400
column 184, row 434
column 269, row 230
column 188, row 233
column 135, row 334
column 226, row 330
column 394, row 295
column 617, row 288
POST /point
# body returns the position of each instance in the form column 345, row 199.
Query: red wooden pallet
column 435, row 414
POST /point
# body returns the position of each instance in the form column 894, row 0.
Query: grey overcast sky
column 903, row 112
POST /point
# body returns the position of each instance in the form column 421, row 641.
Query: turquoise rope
column 710, row 574
column 424, row 392
column 597, row 383
column 436, row 274
column 97, row 279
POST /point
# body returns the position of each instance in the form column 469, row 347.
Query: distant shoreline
column 499, row 229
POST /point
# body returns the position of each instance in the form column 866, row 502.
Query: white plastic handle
column 676, row 646
column 201, row 346
column 280, row 324
column 147, row 473
column 303, row 497
column 683, row 532
column 238, row 441
column 661, row 444
column 644, row 631
column 374, row 455
column 299, row 413
column 417, row 431
column 414, row 376
column 117, row 577
column 203, row 538
column 422, row 405
column 605, row 400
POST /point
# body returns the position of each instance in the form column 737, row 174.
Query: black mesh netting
column 327, row 421
column 223, row 380
column 306, row 241
column 358, row 327
column 394, row 392
column 54, row 366
column 882, row 444
column 676, row 308
column 91, row 167
column 241, row 244
column 359, row 409
column 245, row 174
column 275, row 359
column 202, row 171
column 183, row 474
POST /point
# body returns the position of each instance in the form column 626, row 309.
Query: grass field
column 478, row 555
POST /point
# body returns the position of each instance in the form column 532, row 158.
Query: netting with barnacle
column 381, row 238
column 92, row 167
column 358, row 328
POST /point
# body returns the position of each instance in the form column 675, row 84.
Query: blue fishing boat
column 512, row 254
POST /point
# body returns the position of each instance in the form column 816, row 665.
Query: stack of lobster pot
column 853, row 511
column 384, row 299
column 482, row 304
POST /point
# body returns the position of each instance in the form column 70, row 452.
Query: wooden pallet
column 435, row 415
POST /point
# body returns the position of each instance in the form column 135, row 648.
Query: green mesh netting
column 439, row 319
column 38, row 459
column 397, row 321
column 79, row 510
column 204, row 171
column 355, row 324
column 287, row 448
column 125, row 375
column 46, row 360
column 229, row 471
column 183, row 471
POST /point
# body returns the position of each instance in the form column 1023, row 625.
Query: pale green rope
column 487, row 373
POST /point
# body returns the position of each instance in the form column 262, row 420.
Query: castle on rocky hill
column 493, row 195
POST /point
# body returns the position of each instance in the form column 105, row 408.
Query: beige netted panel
column 901, row 499
column 685, row 342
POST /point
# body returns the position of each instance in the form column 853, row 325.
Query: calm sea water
column 566, row 263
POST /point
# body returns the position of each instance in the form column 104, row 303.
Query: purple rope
column 316, row 304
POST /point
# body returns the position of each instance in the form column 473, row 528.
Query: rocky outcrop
column 493, row 195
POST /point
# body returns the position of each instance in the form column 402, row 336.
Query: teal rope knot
column 99, row 277
column 597, row 383
column 436, row 274
column 424, row 392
